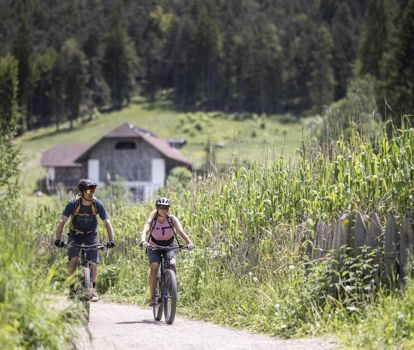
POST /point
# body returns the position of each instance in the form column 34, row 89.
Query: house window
column 125, row 145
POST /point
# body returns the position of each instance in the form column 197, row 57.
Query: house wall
column 68, row 176
column 130, row 164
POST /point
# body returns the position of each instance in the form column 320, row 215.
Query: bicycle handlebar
column 181, row 247
column 97, row 246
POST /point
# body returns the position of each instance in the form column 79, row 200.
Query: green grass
column 271, row 135
column 389, row 324
column 30, row 316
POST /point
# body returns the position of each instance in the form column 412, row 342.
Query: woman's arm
column 147, row 226
column 180, row 230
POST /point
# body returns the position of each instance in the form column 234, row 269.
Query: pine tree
column 398, row 69
column 9, row 155
column 22, row 51
column 378, row 27
column 43, row 108
column 298, row 40
column 156, row 56
column 344, row 49
column 322, row 83
column 8, row 94
column 196, row 52
column 120, row 61
column 75, row 79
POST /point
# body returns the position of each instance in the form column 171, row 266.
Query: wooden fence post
column 406, row 246
column 360, row 231
column 390, row 250
column 343, row 234
column 374, row 231
column 320, row 239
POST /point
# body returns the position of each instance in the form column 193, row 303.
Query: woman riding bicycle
column 159, row 231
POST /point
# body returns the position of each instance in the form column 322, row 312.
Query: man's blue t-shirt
column 85, row 221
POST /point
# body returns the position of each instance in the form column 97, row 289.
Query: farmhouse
column 137, row 156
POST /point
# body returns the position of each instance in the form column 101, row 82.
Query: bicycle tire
column 86, row 291
column 170, row 298
column 157, row 309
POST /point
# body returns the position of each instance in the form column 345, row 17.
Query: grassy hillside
column 251, row 138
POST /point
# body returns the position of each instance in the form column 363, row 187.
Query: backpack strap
column 78, row 201
column 94, row 208
column 153, row 223
column 172, row 226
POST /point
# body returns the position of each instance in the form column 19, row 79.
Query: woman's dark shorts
column 155, row 255
column 89, row 239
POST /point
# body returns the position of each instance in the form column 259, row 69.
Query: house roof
column 63, row 155
column 127, row 130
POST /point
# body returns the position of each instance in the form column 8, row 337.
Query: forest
column 62, row 60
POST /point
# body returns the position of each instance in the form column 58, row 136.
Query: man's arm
column 109, row 229
column 59, row 229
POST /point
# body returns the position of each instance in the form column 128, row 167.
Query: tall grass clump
column 255, row 219
column 386, row 325
column 30, row 318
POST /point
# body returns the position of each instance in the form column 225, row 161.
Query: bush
column 356, row 111
column 178, row 178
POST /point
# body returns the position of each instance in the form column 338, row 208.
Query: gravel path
column 121, row 327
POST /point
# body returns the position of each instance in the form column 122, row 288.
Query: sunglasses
column 162, row 207
column 90, row 190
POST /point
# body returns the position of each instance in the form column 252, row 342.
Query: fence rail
column 396, row 238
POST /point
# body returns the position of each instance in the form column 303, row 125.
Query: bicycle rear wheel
column 157, row 309
column 170, row 300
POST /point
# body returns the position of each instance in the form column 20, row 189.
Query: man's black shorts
column 89, row 239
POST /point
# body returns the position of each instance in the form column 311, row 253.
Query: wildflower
column 255, row 279
column 352, row 308
column 291, row 267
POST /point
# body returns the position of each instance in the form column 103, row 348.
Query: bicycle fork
column 86, row 275
column 160, row 282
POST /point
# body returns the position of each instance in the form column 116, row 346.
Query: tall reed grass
column 31, row 317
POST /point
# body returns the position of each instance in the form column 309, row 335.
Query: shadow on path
column 158, row 323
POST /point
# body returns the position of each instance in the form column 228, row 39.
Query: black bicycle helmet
column 162, row 202
column 86, row 184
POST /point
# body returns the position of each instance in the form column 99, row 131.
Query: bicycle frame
column 166, row 290
column 83, row 292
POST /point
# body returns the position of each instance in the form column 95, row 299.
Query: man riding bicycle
column 159, row 231
column 83, row 210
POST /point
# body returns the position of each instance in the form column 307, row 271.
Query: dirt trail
column 121, row 327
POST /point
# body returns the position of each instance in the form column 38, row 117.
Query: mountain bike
column 166, row 289
column 84, row 286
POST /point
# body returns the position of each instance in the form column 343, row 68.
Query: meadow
column 249, row 225
column 246, row 136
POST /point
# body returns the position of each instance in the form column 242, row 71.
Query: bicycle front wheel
column 157, row 309
column 170, row 299
column 86, row 291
